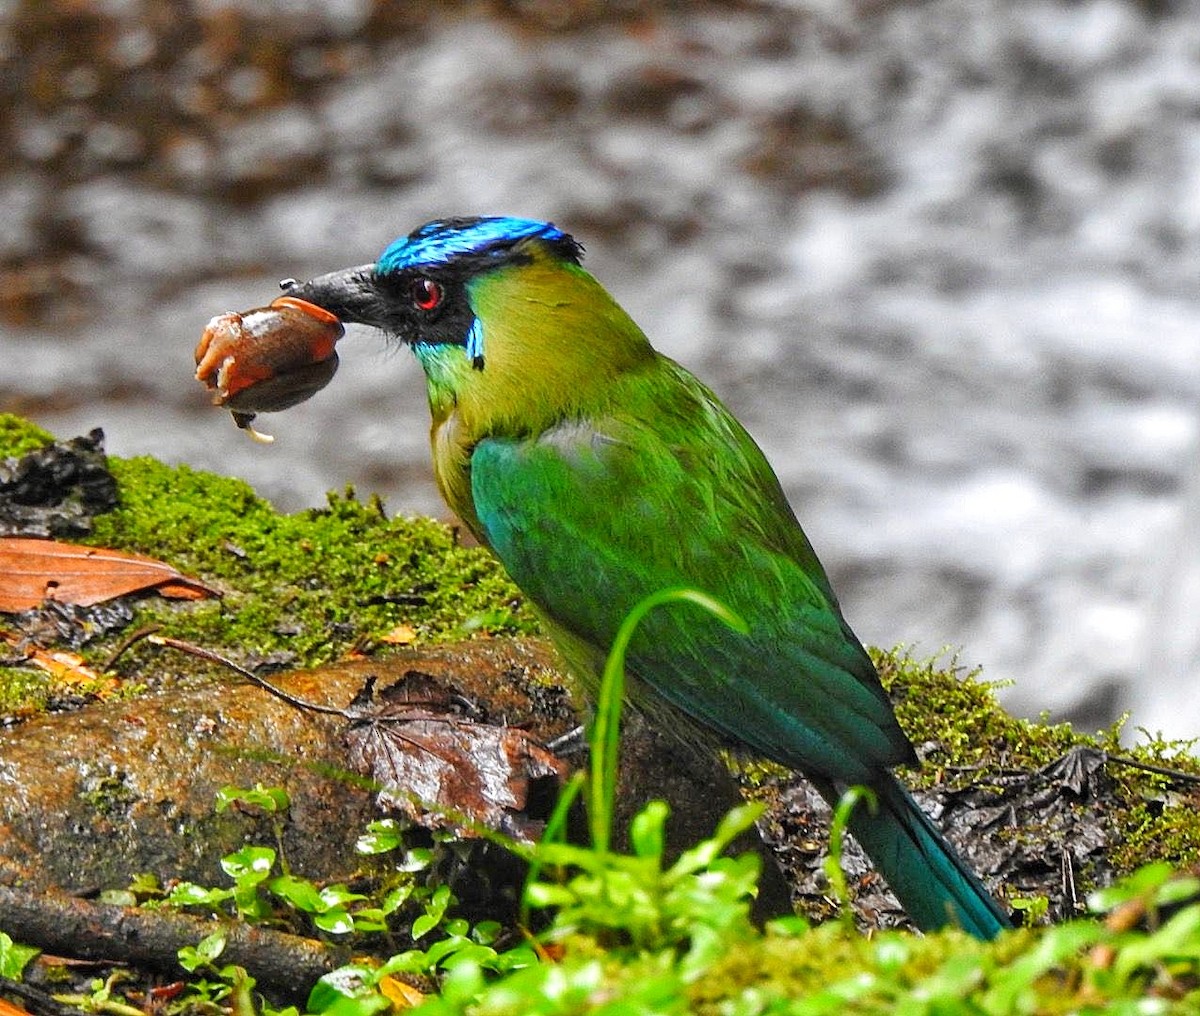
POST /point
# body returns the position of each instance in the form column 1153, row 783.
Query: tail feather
column 932, row 882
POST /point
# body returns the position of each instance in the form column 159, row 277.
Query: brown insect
column 268, row 359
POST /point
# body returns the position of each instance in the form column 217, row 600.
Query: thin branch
column 38, row 1001
column 249, row 675
column 69, row 926
column 1175, row 774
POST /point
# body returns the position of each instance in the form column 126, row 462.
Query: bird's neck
column 554, row 342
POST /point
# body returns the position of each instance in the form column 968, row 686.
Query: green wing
column 667, row 489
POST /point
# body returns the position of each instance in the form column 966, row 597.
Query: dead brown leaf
column 60, row 664
column 443, row 768
column 8, row 1009
column 401, row 635
column 32, row 571
column 400, row 994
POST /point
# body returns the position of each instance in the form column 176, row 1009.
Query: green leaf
column 1145, row 881
column 546, row 894
column 435, row 910
column 486, row 932
column 350, row 981
column 1178, row 939
column 423, row 925
column 335, row 920
column 250, row 865
column 369, row 919
column 380, row 837
column 362, row 1005
column 14, row 957
column 396, row 898
column 647, row 830
column 204, row 953
column 299, row 892
column 188, row 894
column 145, row 884
column 417, row 859
column 211, row 946
column 339, row 895
column 272, row 800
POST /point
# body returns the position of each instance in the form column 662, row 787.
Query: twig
column 40, row 1002
column 1149, row 767
column 130, row 640
column 67, row 925
column 215, row 657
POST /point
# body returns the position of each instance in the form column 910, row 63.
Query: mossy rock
column 341, row 581
column 297, row 589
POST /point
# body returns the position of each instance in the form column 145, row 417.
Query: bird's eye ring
column 426, row 294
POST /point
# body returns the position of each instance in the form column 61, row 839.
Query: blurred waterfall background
column 942, row 258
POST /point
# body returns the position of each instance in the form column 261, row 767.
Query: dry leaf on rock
column 444, row 768
column 32, row 571
column 60, row 664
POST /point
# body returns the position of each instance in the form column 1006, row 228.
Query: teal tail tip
column 934, row 885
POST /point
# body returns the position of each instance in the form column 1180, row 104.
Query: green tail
column 931, row 881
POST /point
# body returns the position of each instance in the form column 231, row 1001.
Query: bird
column 599, row 471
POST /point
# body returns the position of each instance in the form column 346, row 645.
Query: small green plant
column 14, row 957
column 637, row 904
column 678, row 917
column 262, row 883
column 1033, row 908
column 219, row 987
column 270, row 801
column 854, row 797
column 103, row 997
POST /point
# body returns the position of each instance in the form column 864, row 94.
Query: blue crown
column 446, row 240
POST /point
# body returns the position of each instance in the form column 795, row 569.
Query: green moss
column 1163, row 818
column 829, row 970
column 19, row 437
column 938, row 702
column 22, row 690
column 299, row 589
column 316, row 583
column 109, row 795
column 1157, row 817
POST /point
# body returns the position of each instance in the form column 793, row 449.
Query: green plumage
column 591, row 518
column 600, row 472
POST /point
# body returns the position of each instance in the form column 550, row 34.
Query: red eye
column 426, row 294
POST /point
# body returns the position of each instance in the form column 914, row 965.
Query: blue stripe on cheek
column 475, row 344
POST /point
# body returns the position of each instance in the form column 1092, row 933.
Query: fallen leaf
column 401, row 995
column 401, row 635
column 8, row 1009
column 61, row 665
column 32, row 571
column 443, row 768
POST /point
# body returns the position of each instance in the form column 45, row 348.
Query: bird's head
column 499, row 312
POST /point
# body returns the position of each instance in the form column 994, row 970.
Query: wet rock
column 90, row 798
column 56, row 490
